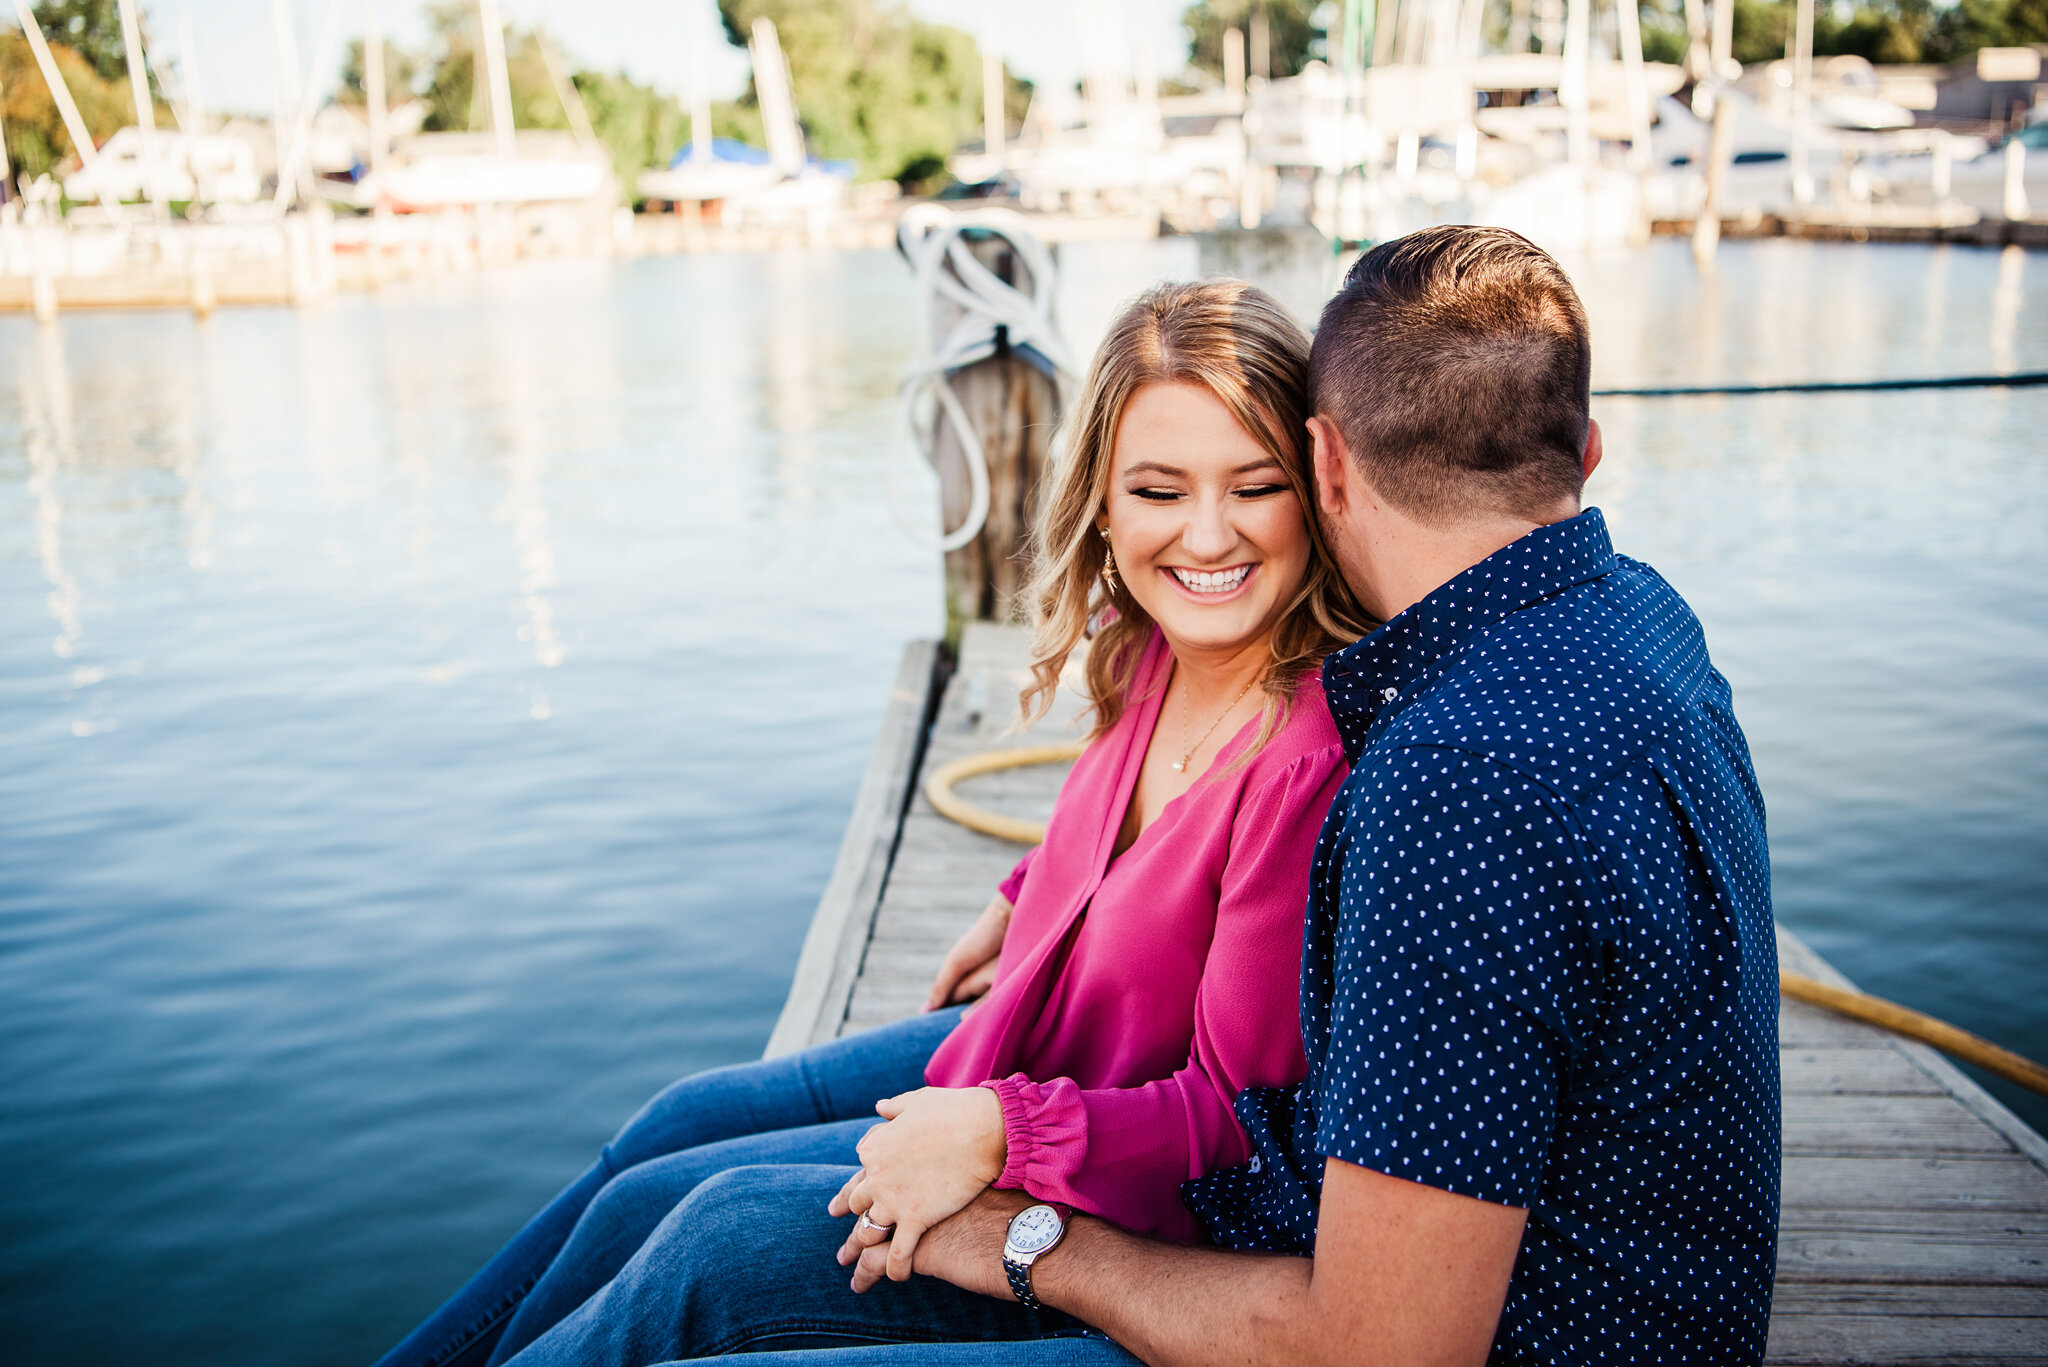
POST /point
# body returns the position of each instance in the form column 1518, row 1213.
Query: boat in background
column 725, row 181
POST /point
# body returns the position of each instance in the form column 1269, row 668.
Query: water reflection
column 803, row 358
column 525, row 507
column 187, row 444
column 1934, row 305
column 2005, row 308
column 46, row 415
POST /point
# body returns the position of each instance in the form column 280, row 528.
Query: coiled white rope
column 993, row 314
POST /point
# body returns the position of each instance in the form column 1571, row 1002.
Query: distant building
column 1998, row 85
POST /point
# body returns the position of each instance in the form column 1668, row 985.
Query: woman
column 1141, row 965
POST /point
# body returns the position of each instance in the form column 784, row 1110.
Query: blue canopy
column 725, row 149
column 733, row 151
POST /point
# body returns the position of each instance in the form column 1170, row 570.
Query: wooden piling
column 1013, row 406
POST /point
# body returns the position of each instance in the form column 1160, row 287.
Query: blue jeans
column 746, row 1265
column 811, row 1107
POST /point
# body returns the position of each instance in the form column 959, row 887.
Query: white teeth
column 1213, row 581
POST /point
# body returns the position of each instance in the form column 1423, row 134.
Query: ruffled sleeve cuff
column 1044, row 1129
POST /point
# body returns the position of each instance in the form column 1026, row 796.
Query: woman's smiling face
column 1208, row 533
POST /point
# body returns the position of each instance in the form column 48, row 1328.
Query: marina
column 396, row 798
column 1915, row 1225
column 1411, row 112
column 488, row 574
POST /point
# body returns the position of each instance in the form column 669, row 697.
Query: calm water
column 425, row 723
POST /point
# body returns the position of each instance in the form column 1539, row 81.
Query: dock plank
column 1871, row 1182
column 1841, row 1124
column 1915, row 1206
column 1892, row 1340
column 1870, row 1070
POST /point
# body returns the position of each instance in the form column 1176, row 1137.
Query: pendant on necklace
column 1180, row 766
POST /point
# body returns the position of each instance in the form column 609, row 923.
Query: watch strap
column 1020, row 1283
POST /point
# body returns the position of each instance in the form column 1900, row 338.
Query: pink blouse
column 1136, row 996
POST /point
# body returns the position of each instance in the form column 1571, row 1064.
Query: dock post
column 1706, row 228
column 1013, row 407
column 983, row 395
column 43, row 293
column 43, row 281
column 2016, row 207
column 200, row 273
column 298, row 251
column 322, row 265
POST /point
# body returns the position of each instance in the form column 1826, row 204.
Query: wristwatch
column 1034, row 1232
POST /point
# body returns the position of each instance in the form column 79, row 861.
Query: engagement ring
column 866, row 1223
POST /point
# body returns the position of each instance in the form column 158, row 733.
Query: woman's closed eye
column 1248, row 492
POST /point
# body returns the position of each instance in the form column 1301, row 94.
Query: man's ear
column 1334, row 475
column 1590, row 461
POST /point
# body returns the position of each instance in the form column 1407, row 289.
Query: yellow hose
column 938, row 790
column 1900, row 1020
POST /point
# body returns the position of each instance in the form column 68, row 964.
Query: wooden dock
column 1915, row 1227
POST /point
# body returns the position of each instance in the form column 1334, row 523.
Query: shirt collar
column 1368, row 677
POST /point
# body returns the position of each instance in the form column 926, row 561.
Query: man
column 1539, row 987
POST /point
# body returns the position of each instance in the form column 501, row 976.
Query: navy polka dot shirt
column 1539, row 966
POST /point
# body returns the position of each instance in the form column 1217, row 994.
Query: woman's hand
column 971, row 965
column 941, row 1148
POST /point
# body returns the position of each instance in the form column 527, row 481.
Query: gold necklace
column 1180, row 765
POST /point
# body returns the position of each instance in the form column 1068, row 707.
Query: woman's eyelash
column 1171, row 495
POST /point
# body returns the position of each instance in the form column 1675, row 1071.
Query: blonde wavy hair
column 1234, row 340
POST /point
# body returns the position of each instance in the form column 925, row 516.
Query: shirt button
column 1389, row 694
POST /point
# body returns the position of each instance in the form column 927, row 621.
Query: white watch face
column 1035, row 1230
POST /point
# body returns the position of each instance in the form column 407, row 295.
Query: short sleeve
column 1458, row 936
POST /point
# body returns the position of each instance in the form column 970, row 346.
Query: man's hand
column 1403, row 1274
column 941, row 1148
column 965, row 1249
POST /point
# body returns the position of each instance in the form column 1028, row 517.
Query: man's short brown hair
column 1456, row 365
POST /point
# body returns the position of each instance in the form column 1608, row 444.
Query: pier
column 1915, row 1221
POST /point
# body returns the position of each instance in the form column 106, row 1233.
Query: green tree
column 91, row 28
column 638, row 126
column 1972, row 24
column 1885, row 31
column 1290, row 27
column 1665, row 37
column 401, row 71
column 1880, row 30
column 36, row 139
column 874, row 85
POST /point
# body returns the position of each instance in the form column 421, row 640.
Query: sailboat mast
column 778, row 101
column 993, row 128
column 67, row 108
column 495, row 72
column 700, row 93
column 145, row 108
column 373, row 85
column 188, row 78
